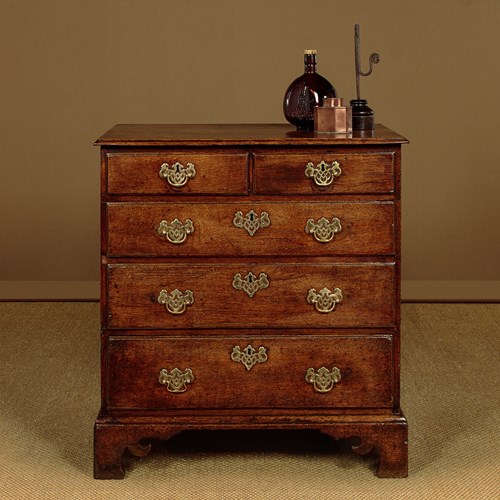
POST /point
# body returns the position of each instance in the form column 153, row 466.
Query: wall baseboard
column 49, row 290
column 450, row 291
column 411, row 290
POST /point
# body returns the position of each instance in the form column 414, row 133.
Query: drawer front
column 211, row 229
column 251, row 295
column 179, row 173
column 324, row 173
column 233, row 372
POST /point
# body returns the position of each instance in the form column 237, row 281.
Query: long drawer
column 177, row 172
column 251, row 295
column 330, row 172
column 219, row 229
column 153, row 373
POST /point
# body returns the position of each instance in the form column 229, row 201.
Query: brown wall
column 71, row 69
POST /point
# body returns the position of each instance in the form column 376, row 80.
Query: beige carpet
column 49, row 397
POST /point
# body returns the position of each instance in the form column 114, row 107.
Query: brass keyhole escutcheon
column 248, row 357
column 252, row 221
column 250, row 283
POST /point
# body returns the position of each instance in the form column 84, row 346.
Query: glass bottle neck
column 309, row 63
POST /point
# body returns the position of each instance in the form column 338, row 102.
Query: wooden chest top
column 233, row 134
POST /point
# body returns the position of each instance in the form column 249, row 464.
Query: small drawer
column 159, row 373
column 177, row 173
column 260, row 229
column 331, row 172
column 251, row 295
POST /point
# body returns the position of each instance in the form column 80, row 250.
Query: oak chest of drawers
column 250, row 279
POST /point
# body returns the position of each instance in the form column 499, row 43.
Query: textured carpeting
column 49, row 397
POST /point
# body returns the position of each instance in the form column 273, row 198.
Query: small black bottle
column 362, row 115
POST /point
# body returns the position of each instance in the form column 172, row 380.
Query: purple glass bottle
column 306, row 92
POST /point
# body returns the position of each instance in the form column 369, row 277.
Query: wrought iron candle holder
column 362, row 114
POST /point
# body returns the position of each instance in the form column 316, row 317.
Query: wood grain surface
column 363, row 171
column 367, row 289
column 365, row 365
column 366, row 229
column 138, row 173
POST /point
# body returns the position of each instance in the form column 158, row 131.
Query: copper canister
column 333, row 117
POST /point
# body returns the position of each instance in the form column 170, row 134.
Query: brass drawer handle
column 177, row 175
column 323, row 230
column 323, row 173
column 248, row 357
column 176, row 380
column 176, row 232
column 250, row 284
column 252, row 222
column 324, row 301
column 323, row 380
column 176, row 301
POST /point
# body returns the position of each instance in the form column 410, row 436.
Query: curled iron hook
column 373, row 59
